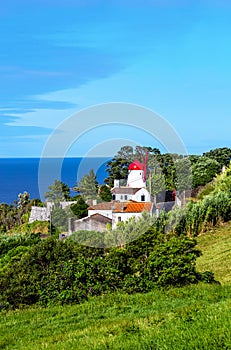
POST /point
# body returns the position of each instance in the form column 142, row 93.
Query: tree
column 156, row 184
column 59, row 191
column 88, row 186
column 23, row 200
column 59, row 218
column 125, row 152
column 221, row 155
column 105, row 193
column 204, row 170
column 117, row 168
column 79, row 208
column 183, row 174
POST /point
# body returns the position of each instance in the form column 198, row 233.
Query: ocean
column 34, row 175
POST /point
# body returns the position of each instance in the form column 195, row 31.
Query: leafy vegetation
column 79, row 209
column 65, row 272
column 88, row 186
column 57, row 192
column 179, row 172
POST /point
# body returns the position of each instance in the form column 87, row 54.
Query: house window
column 113, row 197
column 142, row 198
column 119, row 218
column 125, row 197
column 121, row 197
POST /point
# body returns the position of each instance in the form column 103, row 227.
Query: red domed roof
column 136, row 165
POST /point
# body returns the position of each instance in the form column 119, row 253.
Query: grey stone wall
column 39, row 214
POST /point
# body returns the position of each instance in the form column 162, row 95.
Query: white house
column 112, row 212
column 124, row 211
column 125, row 193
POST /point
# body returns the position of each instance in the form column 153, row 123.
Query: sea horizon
column 21, row 174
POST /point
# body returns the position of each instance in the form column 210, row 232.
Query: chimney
column 116, row 183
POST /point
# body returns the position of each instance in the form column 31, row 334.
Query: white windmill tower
column 137, row 173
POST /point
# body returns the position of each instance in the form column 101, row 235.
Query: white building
column 125, row 193
column 136, row 175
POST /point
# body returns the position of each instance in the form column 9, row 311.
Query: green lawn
column 193, row 317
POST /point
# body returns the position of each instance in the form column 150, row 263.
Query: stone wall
column 39, row 214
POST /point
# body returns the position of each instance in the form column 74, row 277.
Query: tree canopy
column 59, row 191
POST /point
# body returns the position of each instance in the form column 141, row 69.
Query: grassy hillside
column 216, row 248
column 193, row 317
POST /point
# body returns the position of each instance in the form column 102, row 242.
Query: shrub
column 56, row 271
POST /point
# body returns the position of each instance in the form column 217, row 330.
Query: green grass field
column 193, row 317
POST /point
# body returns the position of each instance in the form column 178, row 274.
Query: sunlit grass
column 193, row 317
column 216, row 248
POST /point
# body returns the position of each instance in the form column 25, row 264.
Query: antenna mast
column 144, row 156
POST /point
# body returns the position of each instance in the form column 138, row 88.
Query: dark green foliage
column 221, row 155
column 204, row 170
column 117, row 168
column 13, row 248
column 57, row 271
column 7, row 242
column 80, row 208
column 173, row 262
column 105, row 193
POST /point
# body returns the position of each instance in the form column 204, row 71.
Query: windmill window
column 113, row 197
column 119, row 218
column 142, row 198
column 125, row 197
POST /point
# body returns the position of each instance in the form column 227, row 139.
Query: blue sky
column 58, row 57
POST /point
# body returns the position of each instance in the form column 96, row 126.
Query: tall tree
column 156, row 184
column 183, row 174
column 59, row 191
column 88, row 186
column 204, row 171
column 117, row 168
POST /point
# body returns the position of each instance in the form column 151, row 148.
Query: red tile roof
column 126, row 207
column 132, row 207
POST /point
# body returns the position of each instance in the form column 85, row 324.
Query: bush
column 61, row 271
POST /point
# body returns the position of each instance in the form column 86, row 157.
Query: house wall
column 123, row 197
column 123, row 216
column 63, row 204
column 138, row 195
column 87, row 223
column 107, row 213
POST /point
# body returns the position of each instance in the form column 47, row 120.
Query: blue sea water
column 22, row 174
